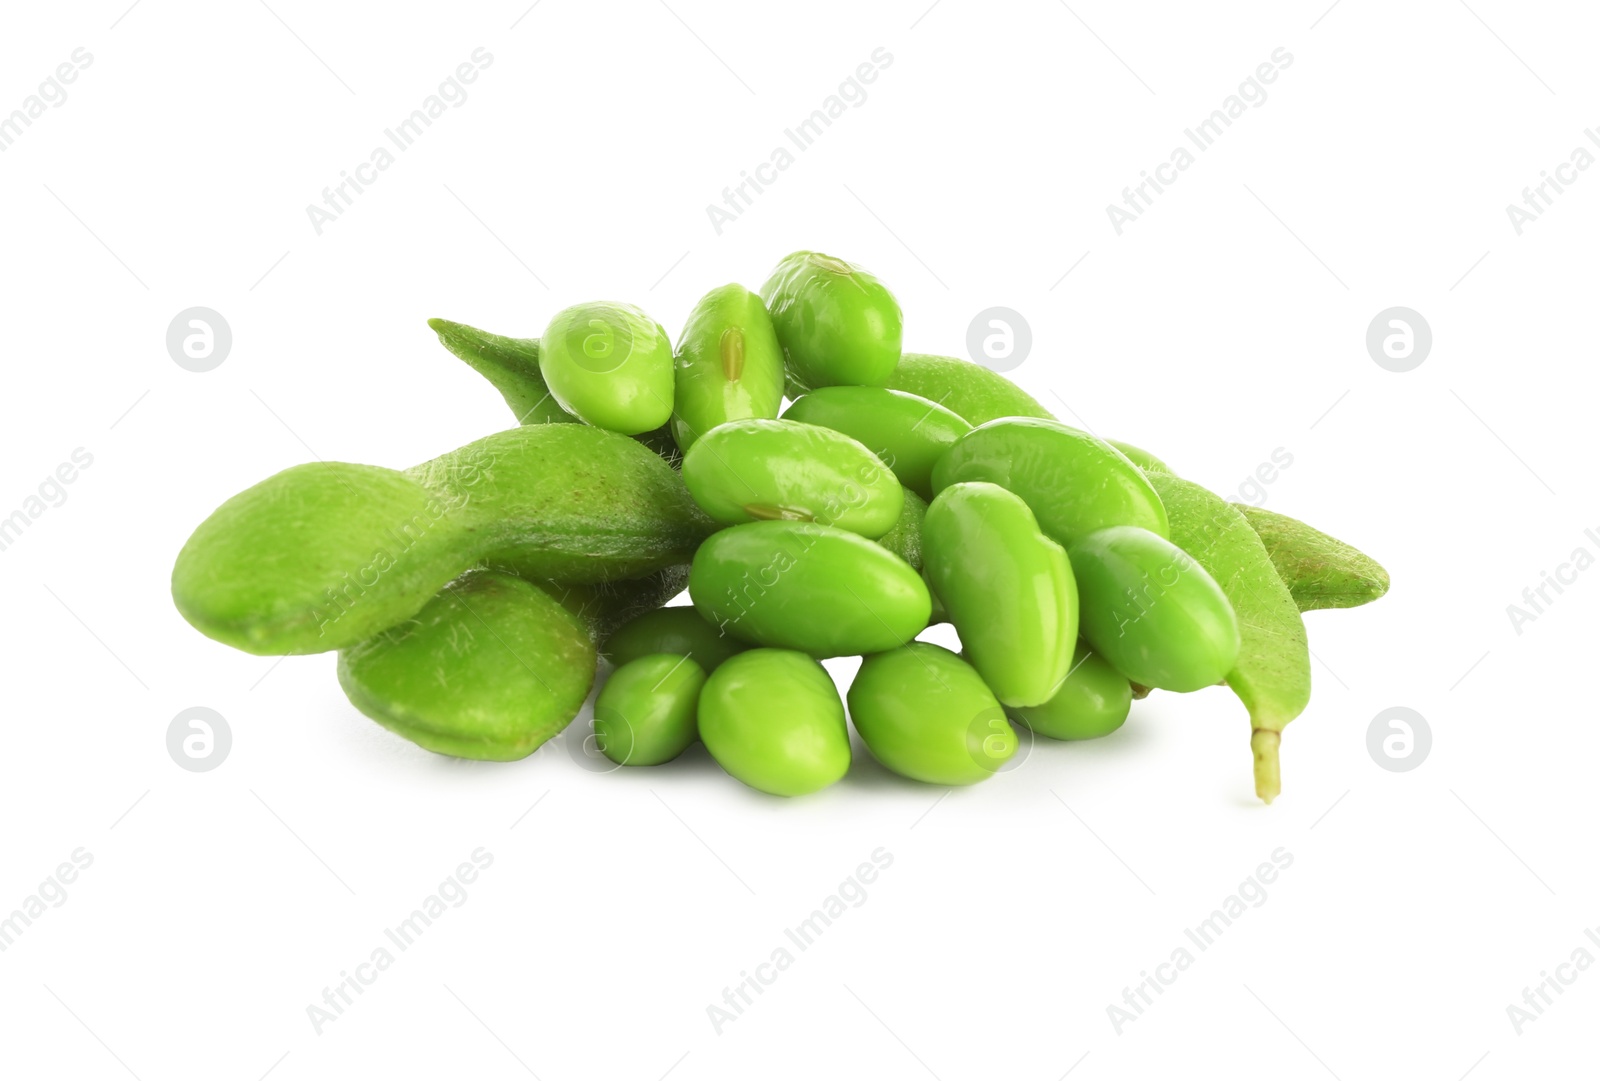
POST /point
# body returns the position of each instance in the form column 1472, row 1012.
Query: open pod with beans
column 472, row 596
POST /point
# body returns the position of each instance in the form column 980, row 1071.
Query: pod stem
column 1264, row 746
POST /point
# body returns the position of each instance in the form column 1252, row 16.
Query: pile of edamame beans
column 471, row 598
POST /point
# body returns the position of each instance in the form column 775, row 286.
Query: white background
column 1227, row 322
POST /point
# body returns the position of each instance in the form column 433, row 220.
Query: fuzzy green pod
column 837, row 323
column 968, row 390
column 610, row 365
column 728, row 364
column 1140, row 457
column 1320, row 571
column 607, row 606
column 1272, row 673
column 490, row 668
column 511, row 365
column 905, row 538
column 324, row 555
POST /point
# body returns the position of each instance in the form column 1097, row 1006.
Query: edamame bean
column 324, row 555
column 610, row 365
column 645, row 714
column 683, row 631
column 1008, row 589
column 1152, row 611
column 1272, row 674
column 836, row 322
column 926, row 714
column 490, row 668
column 1074, row 483
column 760, row 470
column 772, row 718
column 1093, row 701
column 728, row 365
column 909, row 433
column 971, row 391
column 1320, row 571
column 511, row 365
column 808, row 587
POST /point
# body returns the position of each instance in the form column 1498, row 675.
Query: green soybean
column 1008, row 588
column 926, row 714
column 645, row 714
column 971, row 391
column 1152, row 611
column 490, row 668
column 728, row 365
column 905, row 538
column 1074, row 483
column 807, row 587
column 835, row 321
column 772, row 718
column 324, row 555
column 1093, row 701
column 1320, row 571
column 610, row 365
column 761, row 470
column 1272, row 674
column 682, row 631
column 511, row 365
column 907, row 432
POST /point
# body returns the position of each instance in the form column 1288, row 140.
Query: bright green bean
column 808, row 587
column 772, row 718
column 645, row 714
column 760, row 470
column 909, row 433
column 728, row 365
column 926, row 714
column 610, row 365
column 1152, row 611
column 1008, row 588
